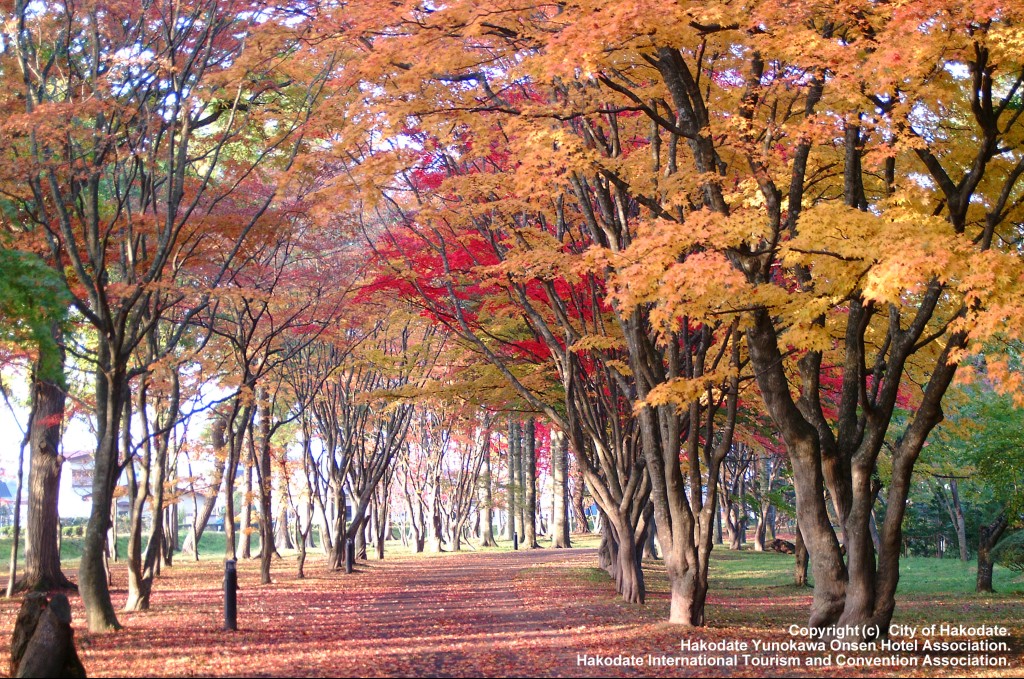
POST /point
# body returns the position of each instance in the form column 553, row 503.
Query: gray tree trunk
column 560, row 513
column 529, row 464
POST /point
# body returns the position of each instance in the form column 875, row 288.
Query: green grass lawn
column 210, row 545
column 918, row 575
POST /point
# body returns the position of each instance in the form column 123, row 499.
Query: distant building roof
column 79, row 456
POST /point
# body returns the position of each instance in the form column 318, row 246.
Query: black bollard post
column 350, row 549
column 515, row 541
column 230, row 595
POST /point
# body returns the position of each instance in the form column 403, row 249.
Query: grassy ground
column 918, row 575
column 211, row 544
column 748, row 587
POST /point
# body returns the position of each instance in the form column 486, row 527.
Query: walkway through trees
column 519, row 613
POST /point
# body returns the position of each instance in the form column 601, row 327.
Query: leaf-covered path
column 526, row 613
column 471, row 614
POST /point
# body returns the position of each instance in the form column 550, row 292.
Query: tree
column 128, row 114
column 981, row 440
column 841, row 319
column 486, row 499
column 33, row 308
column 278, row 302
column 462, row 475
column 158, row 405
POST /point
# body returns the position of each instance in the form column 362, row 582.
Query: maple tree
column 120, row 142
column 559, row 447
column 275, row 306
column 158, row 402
column 741, row 199
column 446, row 476
column 461, row 476
column 360, row 414
column 875, row 282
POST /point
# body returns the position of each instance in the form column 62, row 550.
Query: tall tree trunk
column 735, row 524
column 559, row 476
column 172, row 528
column 529, row 459
column 420, row 529
column 684, row 520
column 486, row 502
column 876, row 539
column 956, row 516
column 827, row 563
column 42, row 558
column 381, row 509
column 246, row 522
column 457, row 529
column 650, row 544
column 301, row 538
column 359, row 541
column 741, row 509
column 138, row 486
column 282, row 536
column 579, row 511
column 336, row 559
column 626, row 567
column 111, row 390
column 238, row 428
column 760, row 530
column 511, row 488
column 520, row 487
column 323, row 525
column 149, row 486
column 436, row 525
column 265, row 479
column 16, row 522
column 764, row 485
